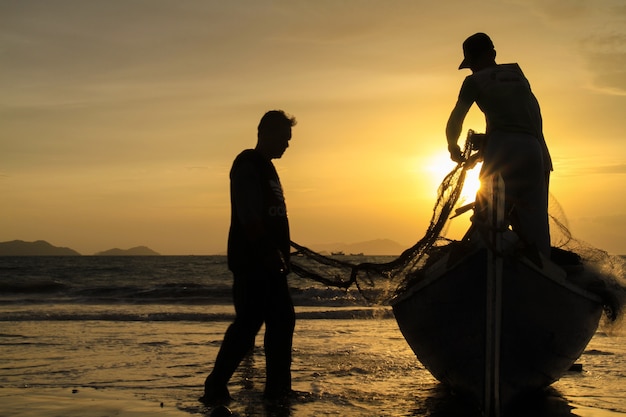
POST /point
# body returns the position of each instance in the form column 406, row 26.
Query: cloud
column 603, row 47
column 614, row 169
column 574, row 167
column 556, row 11
column 605, row 56
column 597, row 33
column 609, row 169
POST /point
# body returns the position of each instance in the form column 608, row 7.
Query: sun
column 440, row 165
column 471, row 184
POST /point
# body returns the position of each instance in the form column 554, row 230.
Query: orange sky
column 120, row 119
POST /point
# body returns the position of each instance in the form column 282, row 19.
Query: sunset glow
column 120, row 119
column 440, row 165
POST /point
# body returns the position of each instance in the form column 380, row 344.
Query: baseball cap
column 474, row 46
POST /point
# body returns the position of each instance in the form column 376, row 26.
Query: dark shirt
column 504, row 95
column 259, row 224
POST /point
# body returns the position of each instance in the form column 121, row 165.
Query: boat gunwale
column 549, row 270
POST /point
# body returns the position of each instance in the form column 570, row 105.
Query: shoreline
column 105, row 402
column 81, row 402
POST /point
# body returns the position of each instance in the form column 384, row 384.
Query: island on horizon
column 136, row 251
column 384, row 247
column 43, row 248
column 37, row 248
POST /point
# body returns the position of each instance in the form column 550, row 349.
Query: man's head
column 478, row 52
column 274, row 133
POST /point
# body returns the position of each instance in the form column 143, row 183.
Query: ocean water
column 151, row 326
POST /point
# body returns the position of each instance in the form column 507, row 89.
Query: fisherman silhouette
column 258, row 257
column 514, row 147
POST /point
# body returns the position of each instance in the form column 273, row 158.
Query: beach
column 345, row 367
column 139, row 350
column 76, row 403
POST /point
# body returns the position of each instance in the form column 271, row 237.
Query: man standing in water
column 258, row 256
column 515, row 145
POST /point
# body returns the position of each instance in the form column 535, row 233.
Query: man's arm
column 248, row 201
column 454, row 127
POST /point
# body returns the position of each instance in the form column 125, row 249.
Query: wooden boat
column 495, row 328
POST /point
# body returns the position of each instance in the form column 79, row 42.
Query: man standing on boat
column 515, row 145
column 258, row 256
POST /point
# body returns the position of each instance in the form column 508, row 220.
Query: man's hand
column 274, row 261
column 455, row 153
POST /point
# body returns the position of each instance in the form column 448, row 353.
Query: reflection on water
column 441, row 402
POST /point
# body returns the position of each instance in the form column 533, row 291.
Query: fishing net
column 379, row 283
column 604, row 274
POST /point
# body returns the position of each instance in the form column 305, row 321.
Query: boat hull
column 546, row 323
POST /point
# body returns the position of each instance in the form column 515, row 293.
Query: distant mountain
column 136, row 251
column 370, row 247
column 37, row 248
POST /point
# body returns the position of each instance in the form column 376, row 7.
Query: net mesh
column 379, row 283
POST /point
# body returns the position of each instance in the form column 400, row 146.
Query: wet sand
column 347, row 368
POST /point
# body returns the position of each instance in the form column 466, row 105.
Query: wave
column 36, row 287
column 47, row 292
column 193, row 281
column 320, row 314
